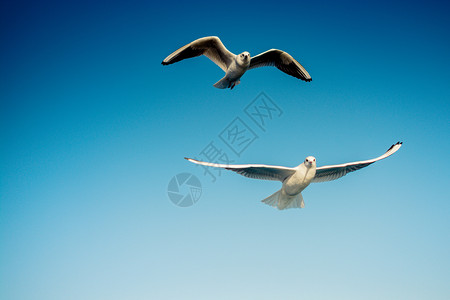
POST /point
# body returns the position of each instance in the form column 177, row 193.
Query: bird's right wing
column 328, row 173
column 253, row 171
column 210, row 46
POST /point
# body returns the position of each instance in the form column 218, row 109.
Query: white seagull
column 295, row 180
column 235, row 66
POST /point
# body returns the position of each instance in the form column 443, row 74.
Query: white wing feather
column 253, row 171
column 328, row 173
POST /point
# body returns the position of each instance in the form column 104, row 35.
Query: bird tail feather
column 272, row 200
column 223, row 83
column 281, row 201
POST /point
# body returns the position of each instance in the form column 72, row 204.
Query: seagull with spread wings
column 234, row 65
column 295, row 180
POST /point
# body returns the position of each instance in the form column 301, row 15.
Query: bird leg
column 235, row 83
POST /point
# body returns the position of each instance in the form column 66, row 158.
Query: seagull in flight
column 295, row 180
column 234, row 65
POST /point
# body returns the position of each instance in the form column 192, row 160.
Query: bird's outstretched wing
column 328, row 173
column 283, row 61
column 210, row 46
column 253, row 171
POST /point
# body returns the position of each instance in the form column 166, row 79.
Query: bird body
column 238, row 66
column 235, row 66
column 289, row 196
column 302, row 177
column 295, row 180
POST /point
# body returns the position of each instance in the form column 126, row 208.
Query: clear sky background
column 93, row 128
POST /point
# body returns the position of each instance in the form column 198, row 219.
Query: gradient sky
column 93, row 128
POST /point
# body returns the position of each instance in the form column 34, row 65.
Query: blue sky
column 93, row 128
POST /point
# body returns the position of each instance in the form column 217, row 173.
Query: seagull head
column 244, row 58
column 310, row 161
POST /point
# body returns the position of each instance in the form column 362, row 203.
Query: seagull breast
column 299, row 180
column 237, row 68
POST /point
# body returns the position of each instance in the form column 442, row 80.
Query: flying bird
column 234, row 65
column 295, row 180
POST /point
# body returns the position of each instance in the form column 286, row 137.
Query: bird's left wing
column 328, row 173
column 283, row 61
column 253, row 171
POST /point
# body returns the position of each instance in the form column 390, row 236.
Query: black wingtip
column 398, row 143
column 164, row 63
